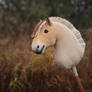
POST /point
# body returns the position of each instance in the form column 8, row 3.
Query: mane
column 71, row 27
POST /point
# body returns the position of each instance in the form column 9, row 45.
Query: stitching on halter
column 40, row 27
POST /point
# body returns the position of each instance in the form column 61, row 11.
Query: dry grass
column 23, row 71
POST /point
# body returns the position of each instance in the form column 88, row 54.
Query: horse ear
column 48, row 21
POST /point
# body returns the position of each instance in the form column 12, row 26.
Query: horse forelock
column 38, row 27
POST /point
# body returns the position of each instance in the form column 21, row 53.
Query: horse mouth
column 40, row 51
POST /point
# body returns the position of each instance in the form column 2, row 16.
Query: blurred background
column 23, row 71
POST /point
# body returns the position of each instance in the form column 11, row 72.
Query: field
column 23, row 71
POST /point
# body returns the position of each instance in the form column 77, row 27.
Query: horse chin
column 44, row 49
column 41, row 50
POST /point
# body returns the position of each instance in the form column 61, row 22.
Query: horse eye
column 46, row 31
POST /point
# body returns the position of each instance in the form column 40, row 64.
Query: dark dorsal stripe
column 36, row 28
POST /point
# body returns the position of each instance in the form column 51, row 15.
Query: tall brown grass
column 23, row 71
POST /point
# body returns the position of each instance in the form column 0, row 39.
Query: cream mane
column 71, row 27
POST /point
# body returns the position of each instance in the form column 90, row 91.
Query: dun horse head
column 43, row 36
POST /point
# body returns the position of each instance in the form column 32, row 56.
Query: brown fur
column 43, row 37
column 38, row 25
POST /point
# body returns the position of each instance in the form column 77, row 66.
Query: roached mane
column 71, row 27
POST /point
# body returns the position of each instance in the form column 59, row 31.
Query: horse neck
column 64, row 36
column 66, row 40
column 68, row 51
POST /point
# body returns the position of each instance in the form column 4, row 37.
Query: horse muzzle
column 39, row 50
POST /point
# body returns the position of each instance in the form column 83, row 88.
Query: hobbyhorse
column 66, row 39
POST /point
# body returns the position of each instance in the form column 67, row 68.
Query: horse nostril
column 37, row 46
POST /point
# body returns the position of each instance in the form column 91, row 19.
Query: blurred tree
column 77, row 11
